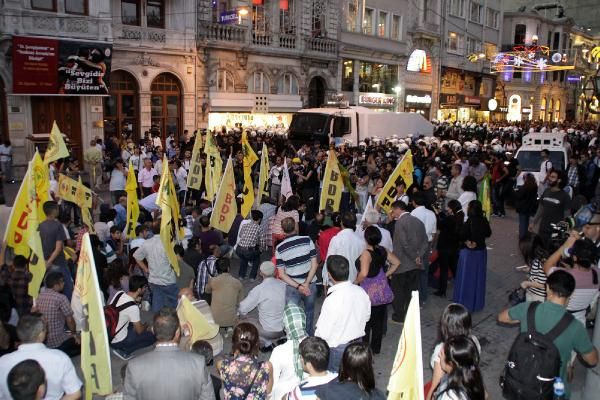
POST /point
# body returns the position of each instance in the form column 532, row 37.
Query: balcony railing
column 262, row 39
column 225, row 33
column 323, row 46
column 287, row 41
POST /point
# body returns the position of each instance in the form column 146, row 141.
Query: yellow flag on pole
column 16, row 230
column 37, row 263
column 402, row 173
column 194, row 323
column 263, row 178
column 194, row 178
column 81, row 197
column 250, row 158
column 41, row 177
column 133, row 207
column 95, row 357
column 406, row 379
column 57, row 148
column 225, row 208
column 333, row 184
column 170, row 215
column 214, row 166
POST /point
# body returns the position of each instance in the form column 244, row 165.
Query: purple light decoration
column 542, row 77
column 507, row 76
column 527, row 76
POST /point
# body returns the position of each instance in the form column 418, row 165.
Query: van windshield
column 313, row 123
column 531, row 160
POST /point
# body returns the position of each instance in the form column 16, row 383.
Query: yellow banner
column 406, row 379
column 67, row 190
column 133, row 207
column 214, row 166
column 333, row 184
column 16, row 231
column 171, row 229
column 192, row 321
column 402, row 173
column 37, row 263
column 57, row 148
column 250, row 158
column 263, row 178
column 41, row 177
column 225, row 208
column 81, row 198
column 95, row 357
column 194, row 178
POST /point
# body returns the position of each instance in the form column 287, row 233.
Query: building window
column 456, row 7
column 382, row 24
column 130, row 12
column 121, row 113
column 155, row 14
column 492, row 18
column 288, row 84
column 556, row 41
column 46, row 5
column 165, row 105
column 79, row 7
column 368, row 21
column 260, row 23
column 490, row 50
column 319, row 10
column 259, row 83
column 475, row 14
column 351, row 16
column 375, row 77
column 397, row 27
column 287, row 17
column 225, row 81
column 520, row 33
column 473, row 46
column 455, row 43
column 348, row 76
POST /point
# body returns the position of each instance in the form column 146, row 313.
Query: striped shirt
column 537, row 275
column 294, row 255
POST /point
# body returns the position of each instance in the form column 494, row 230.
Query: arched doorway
column 3, row 115
column 121, row 111
column 165, row 104
column 316, row 92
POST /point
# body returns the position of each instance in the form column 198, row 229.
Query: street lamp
column 591, row 92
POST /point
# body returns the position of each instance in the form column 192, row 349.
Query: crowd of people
column 364, row 262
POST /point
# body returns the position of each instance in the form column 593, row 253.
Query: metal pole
column 592, row 376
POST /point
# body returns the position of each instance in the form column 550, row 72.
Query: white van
column 530, row 158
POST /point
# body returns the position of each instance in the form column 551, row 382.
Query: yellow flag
column 214, row 166
column 82, row 200
column 263, row 178
column 37, row 263
column 250, row 158
column 194, row 323
column 484, row 196
column 402, row 173
column 69, row 190
column 170, row 215
column 333, row 184
column 41, row 177
column 16, row 230
column 133, row 207
column 194, row 178
column 57, row 148
column 406, row 379
column 95, row 357
column 225, row 208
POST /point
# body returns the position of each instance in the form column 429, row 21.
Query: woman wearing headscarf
column 287, row 366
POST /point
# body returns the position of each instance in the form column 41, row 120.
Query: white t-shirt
column 545, row 168
column 181, row 175
column 130, row 314
column 306, row 389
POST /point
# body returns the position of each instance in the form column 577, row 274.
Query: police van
column 530, row 157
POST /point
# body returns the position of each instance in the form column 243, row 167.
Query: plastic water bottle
column 559, row 389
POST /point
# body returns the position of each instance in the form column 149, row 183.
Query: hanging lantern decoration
column 284, row 5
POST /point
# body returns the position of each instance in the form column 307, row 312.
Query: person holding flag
column 250, row 158
column 133, row 207
column 225, row 208
column 214, row 165
column 402, row 173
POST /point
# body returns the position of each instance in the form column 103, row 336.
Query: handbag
column 378, row 289
column 516, row 296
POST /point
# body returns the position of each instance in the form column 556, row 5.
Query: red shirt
column 324, row 240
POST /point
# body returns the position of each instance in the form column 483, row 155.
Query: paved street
column 495, row 340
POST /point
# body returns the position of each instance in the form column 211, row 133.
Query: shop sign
column 503, row 109
column 472, row 100
column 449, row 99
column 526, row 110
column 374, row 100
column 419, row 62
column 228, row 17
column 416, row 99
column 573, row 78
column 60, row 67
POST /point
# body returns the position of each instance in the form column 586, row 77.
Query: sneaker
column 522, row 268
column 122, row 355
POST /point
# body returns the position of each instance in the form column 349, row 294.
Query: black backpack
column 533, row 361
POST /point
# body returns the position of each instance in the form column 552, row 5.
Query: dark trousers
column 523, row 225
column 374, row 327
column 402, row 285
column 70, row 347
column 447, row 261
column 498, row 199
column 248, row 256
column 134, row 341
column 146, row 191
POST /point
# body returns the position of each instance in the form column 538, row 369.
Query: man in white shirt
column 131, row 334
column 455, row 187
column 344, row 313
column 146, row 177
column 346, row 243
column 371, row 218
column 269, row 297
column 276, row 174
column 61, row 378
column 545, row 168
column 428, row 218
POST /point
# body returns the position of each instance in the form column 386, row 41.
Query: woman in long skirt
column 469, row 287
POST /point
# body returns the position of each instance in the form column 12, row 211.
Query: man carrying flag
column 250, row 158
column 263, row 178
column 194, row 178
column 225, row 208
column 333, row 185
column 214, row 164
column 37, row 263
column 402, row 173
column 286, row 184
column 57, row 148
column 133, row 207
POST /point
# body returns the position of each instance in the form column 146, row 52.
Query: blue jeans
column 523, row 225
column 163, row 296
column 134, row 341
column 424, row 276
column 68, row 289
column 498, row 199
column 294, row 296
column 335, row 357
column 248, row 255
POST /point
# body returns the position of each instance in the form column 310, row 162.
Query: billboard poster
column 43, row 66
column 228, row 17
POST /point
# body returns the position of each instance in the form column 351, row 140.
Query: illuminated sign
column 492, row 104
column 526, row 110
column 595, row 53
column 472, row 100
column 529, row 59
column 419, row 62
column 374, row 100
column 573, row 78
column 411, row 98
